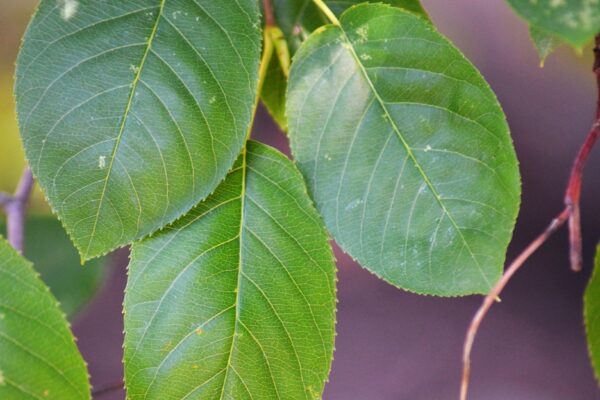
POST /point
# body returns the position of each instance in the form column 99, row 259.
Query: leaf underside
column 38, row 356
column 133, row 111
column 591, row 304
column 574, row 21
column 237, row 299
column 406, row 152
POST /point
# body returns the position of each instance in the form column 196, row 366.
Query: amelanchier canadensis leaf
column 237, row 299
column 133, row 111
column 38, row 355
column 406, row 151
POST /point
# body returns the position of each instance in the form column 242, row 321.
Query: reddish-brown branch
column 268, row 10
column 573, row 193
column 571, row 213
column 15, row 208
column 496, row 290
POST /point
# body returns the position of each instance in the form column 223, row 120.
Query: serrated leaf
column 574, row 21
column 38, row 356
column 591, row 311
column 544, row 43
column 297, row 19
column 406, row 151
column 236, row 300
column 133, row 111
column 49, row 249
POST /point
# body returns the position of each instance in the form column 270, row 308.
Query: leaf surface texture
column 133, row 111
column 406, row 151
column 38, row 356
column 237, row 299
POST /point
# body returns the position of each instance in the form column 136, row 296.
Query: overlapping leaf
column 237, row 299
column 591, row 304
column 406, row 151
column 55, row 258
column 38, row 356
column 133, row 111
column 297, row 19
column 574, row 21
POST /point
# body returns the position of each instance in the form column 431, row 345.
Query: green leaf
column 55, row 258
column 133, row 111
column 297, row 19
column 237, row 299
column 39, row 359
column 273, row 92
column 574, row 21
column 544, row 43
column 275, row 85
column 406, row 151
column 591, row 311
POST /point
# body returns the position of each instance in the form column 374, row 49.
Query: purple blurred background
column 394, row 345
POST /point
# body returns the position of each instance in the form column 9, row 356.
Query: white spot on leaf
column 68, row 8
column 102, row 162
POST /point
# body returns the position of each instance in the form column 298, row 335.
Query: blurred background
column 394, row 345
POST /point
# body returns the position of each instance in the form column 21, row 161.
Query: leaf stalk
column 327, row 11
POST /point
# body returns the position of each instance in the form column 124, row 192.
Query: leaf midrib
column 236, row 304
column 134, row 85
column 409, row 151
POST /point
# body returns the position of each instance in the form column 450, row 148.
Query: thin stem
column 327, row 11
column 571, row 213
column 268, row 10
column 15, row 208
column 496, row 290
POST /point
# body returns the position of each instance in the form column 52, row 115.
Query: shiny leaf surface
column 133, row 111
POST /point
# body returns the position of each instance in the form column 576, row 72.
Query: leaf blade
column 255, row 263
column 129, row 122
column 39, row 355
column 389, row 114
